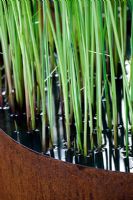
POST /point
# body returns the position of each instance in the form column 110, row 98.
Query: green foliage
column 89, row 41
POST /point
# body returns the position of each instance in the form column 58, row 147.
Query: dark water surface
column 106, row 158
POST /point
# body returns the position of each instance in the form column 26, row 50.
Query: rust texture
column 26, row 175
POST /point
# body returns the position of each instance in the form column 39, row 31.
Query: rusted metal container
column 27, row 175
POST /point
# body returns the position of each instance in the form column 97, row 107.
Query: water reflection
column 107, row 157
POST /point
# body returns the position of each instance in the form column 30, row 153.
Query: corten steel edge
column 27, row 175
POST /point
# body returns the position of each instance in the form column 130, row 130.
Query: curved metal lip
column 63, row 162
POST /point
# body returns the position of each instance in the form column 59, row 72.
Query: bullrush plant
column 84, row 43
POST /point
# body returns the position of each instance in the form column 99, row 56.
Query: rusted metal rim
column 27, row 175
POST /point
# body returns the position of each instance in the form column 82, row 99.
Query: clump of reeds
column 84, row 42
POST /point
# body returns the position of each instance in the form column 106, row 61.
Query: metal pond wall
column 26, row 175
